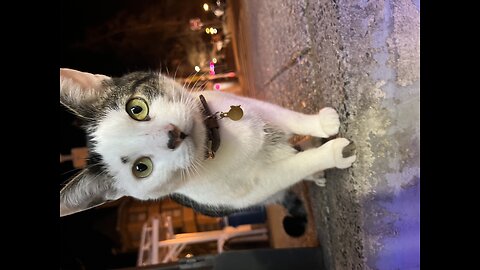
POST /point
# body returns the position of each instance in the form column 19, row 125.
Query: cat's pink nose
column 175, row 137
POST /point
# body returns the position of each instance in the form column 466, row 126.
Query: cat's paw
column 338, row 146
column 329, row 123
column 322, row 182
column 318, row 178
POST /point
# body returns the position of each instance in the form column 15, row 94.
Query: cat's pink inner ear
column 86, row 81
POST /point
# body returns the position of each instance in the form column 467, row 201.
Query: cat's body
column 163, row 153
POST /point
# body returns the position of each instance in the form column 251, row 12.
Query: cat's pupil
column 140, row 167
column 136, row 109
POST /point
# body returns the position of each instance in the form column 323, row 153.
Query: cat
column 150, row 138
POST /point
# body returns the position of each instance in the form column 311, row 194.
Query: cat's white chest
column 231, row 174
column 240, row 140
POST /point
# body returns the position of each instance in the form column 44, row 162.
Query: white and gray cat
column 149, row 138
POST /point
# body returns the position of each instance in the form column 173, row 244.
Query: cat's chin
column 198, row 138
column 190, row 152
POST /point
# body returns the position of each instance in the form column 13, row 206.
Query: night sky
column 113, row 37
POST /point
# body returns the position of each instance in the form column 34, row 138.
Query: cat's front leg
column 287, row 172
column 324, row 124
column 328, row 123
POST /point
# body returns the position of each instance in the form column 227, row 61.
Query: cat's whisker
column 160, row 78
column 188, row 80
column 182, row 176
column 191, row 168
column 98, row 174
column 80, row 170
column 198, row 80
column 192, row 85
column 203, row 86
column 198, row 74
column 75, row 112
column 194, row 167
column 191, row 101
column 182, row 97
column 185, row 86
column 174, row 96
column 66, row 182
column 187, row 170
column 198, row 167
column 176, row 70
column 69, row 171
column 181, row 100
column 168, row 73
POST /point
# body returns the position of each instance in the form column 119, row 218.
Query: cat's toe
column 329, row 122
column 349, row 150
column 346, row 162
column 322, row 182
column 340, row 146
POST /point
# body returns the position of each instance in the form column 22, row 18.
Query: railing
column 150, row 245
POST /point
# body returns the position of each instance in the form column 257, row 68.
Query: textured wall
column 361, row 57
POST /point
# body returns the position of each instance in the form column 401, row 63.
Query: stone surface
column 362, row 58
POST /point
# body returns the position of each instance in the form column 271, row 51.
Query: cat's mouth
column 175, row 137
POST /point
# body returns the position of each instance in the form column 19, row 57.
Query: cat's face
column 145, row 131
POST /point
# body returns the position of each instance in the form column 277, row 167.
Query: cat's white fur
column 242, row 173
column 235, row 178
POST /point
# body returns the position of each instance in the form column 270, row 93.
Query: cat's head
column 144, row 133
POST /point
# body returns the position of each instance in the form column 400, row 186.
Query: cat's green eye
column 142, row 167
column 137, row 109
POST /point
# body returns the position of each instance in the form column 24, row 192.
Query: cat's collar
column 211, row 123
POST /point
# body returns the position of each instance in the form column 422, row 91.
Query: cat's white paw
column 337, row 146
column 329, row 123
column 318, row 178
column 322, row 182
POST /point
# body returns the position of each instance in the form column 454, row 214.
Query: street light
column 211, row 30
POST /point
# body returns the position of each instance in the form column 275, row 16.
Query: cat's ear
column 78, row 90
column 86, row 191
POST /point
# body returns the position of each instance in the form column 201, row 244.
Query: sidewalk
column 361, row 58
